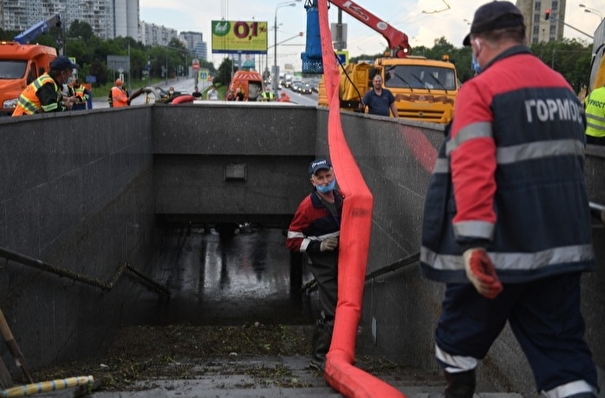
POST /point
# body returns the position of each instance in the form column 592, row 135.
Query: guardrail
column 125, row 266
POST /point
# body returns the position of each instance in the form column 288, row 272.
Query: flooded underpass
column 238, row 323
column 230, row 280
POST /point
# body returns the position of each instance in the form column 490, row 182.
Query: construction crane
column 36, row 30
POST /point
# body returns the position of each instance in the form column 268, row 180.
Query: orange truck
column 22, row 63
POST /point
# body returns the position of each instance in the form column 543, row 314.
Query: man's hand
column 481, row 272
column 68, row 103
column 328, row 244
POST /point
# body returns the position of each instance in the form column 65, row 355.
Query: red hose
column 182, row 99
column 354, row 244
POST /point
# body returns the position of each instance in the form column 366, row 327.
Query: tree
column 81, row 30
column 224, row 73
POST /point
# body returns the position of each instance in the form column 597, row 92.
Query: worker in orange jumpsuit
column 119, row 98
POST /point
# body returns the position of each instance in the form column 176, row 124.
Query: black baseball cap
column 494, row 15
column 61, row 63
column 319, row 164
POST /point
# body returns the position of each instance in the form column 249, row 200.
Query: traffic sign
column 343, row 57
column 203, row 74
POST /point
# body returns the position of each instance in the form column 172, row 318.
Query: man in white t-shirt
column 212, row 94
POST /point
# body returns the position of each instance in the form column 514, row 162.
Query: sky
column 423, row 21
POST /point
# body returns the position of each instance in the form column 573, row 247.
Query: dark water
column 244, row 279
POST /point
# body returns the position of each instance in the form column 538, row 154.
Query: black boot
column 460, row 385
column 322, row 337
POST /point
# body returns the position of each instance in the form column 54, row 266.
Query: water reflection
column 229, row 281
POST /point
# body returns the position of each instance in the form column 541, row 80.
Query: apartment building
column 539, row 29
column 194, row 42
column 108, row 18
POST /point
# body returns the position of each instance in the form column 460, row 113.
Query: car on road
column 294, row 86
column 304, row 88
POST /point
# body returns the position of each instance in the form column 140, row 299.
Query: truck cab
column 20, row 64
column 425, row 90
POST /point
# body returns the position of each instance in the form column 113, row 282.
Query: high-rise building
column 194, row 41
column 126, row 14
column 201, row 50
column 108, row 18
column 539, row 29
column 156, row 35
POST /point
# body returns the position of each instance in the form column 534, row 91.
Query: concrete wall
column 195, row 148
column 76, row 192
column 396, row 160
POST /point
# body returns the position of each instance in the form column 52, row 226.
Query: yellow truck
column 424, row 90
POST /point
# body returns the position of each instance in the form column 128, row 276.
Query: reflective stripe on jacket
column 313, row 223
column 81, row 93
column 510, row 177
column 29, row 103
column 595, row 113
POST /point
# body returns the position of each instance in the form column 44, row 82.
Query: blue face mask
column 326, row 188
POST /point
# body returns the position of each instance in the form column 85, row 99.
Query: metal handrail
column 41, row 265
column 597, row 211
column 395, row 266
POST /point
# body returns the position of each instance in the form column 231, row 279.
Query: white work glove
column 481, row 272
column 328, row 244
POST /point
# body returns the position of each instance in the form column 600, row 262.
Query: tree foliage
column 90, row 52
column 224, row 72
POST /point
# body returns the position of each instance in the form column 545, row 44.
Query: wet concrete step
column 272, row 377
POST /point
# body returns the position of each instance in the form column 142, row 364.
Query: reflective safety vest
column 80, row 92
column 595, row 113
column 268, row 95
column 29, row 103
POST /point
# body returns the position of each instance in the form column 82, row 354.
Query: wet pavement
column 246, row 280
column 217, row 281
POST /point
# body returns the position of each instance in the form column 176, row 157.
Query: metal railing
column 106, row 286
column 597, row 211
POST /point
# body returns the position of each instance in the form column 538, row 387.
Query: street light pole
column 275, row 71
column 592, row 11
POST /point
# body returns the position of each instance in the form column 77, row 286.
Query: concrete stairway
column 272, row 377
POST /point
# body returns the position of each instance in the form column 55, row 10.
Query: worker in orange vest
column 119, row 97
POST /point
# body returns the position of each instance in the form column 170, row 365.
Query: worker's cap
column 62, row 63
column 494, row 15
column 319, row 164
column 118, row 82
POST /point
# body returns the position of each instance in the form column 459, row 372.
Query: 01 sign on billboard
column 241, row 37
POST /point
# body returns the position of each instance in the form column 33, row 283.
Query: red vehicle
column 251, row 84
